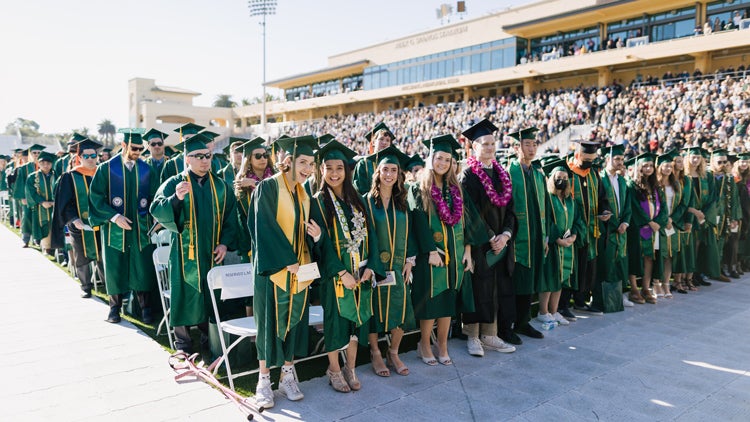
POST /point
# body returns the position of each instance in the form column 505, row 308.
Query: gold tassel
column 339, row 288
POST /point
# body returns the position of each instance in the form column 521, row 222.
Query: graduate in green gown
column 530, row 245
column 4, row 160
column 157, row 150
column 19, row 190
column 728, row 212
column 176, row 164
column 446, row 227
column 198, row 207
column 649, row 215
column 121, row 191
column 396, row 249
column 742, row 178
column 69, row 160
column 705, row 213
column 280, row 220
column 613, row 242
column 349, row 263
column 673, row 192
column 379, row 138
column 40, row 199
column 234, row 152
column 683, row 262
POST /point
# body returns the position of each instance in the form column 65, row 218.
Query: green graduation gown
column 562, row 261
column 391, row 305
column 704, row 189
column 728, row 209
column 362, row 176
column 346, row 312
column 641, row 239
column 19, row 193
column 174, row 166
column 156, row 165
column 280, row 302
column 127, row 254
column 204, row 219
column 434, row 289
column 612, row 245
column 684, row 261
column 39, row 188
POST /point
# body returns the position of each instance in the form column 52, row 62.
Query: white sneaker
column 545, row 317
column 264, row 394
column 474, row 346
column 626, row 302
column 497, row 344
column 288, row 386
column 560, row 319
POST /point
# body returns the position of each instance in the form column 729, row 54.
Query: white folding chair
column 161, row 238
column 4, row 206
column 235, row 281
column 161, row 265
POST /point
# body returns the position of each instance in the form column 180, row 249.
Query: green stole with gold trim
column 440, row 278
column 522, row 244
column 81, row 192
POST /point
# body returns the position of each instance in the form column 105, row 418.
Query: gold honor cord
column 192, row 218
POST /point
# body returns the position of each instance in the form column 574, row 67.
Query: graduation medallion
column 385, row 257
column 117, row 201
column 85, row 214
column 144, row 202
column 437, row 237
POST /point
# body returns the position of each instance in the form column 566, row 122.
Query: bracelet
column 412, row 260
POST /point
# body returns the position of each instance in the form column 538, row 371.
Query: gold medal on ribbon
column 84, row 215
column 385, row 257
column 437, row 237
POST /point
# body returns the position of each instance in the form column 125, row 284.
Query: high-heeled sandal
column 692, row 287
column 336, row 380
column 647, row 296
column 351, row 378
column 431, row 361
column 381, row 371
column 681, row 288
column 402, row 370
column 445, row 360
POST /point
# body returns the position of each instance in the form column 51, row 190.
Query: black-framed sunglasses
column 201, row 156
column 136, row 149
column 87, row 156
column 156, row 144
column 261, row 155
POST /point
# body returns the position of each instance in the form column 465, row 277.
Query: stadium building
column 547, row 44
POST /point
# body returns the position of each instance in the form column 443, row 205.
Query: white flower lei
column 355, row 237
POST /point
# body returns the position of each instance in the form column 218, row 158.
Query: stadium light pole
column 263, row 8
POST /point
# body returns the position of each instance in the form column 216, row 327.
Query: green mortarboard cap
column 132, row 135
column 667, row 157
column 189, row 129
column 589, row 147
column 300, row 145
column 24, row 153
column 630, row 162
column 154, row 133
column 195, row 143
column 36, row 147
column 414, row 160
column 744, row 156
column 232, row 141
column 719, row 152
column 732, row 158
column 253, row 144
column 445, row 143
column 17, row 149
column 322, row 140
column 210, row 135
column 378, row 127
column 88, row 144
column 275, row 145
column 47, row 156
column 335, row 150
column 613, row 150
column 4, row 157
column 645, row 157
column 554, row 165
column 170, row 150
column 694, row 151
column 528, row 133
column 77, row 137
column 484, row 127
column 106, row 150
column 390, row 155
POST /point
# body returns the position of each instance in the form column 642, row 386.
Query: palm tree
column 224, row 100
column 107, row 131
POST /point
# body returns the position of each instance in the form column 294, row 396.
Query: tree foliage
column 26, row 127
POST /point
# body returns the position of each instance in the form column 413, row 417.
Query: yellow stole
column 285, row 216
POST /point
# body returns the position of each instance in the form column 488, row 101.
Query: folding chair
column 161, row 265
column 4, row 206
column 235, row 281
column 162, row 238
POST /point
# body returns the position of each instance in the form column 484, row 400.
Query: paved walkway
column 683, row 359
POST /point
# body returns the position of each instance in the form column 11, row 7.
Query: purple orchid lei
column 496, row 199
column 444, row 212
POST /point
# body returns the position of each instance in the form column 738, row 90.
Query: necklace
column 496, row 199
column 448, row 216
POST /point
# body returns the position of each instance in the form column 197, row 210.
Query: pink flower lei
column 496, row 199
column 448, row 216
column 266, row 174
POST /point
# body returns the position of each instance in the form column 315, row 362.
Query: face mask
column 586, row 164
column 561, row 184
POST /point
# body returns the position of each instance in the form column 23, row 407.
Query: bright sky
column 66, row 64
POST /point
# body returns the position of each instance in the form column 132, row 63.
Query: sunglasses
column 136, row 149
column 259, row 156
column 156, row 144
column 87, row 156
column 722, row 162
column 200, row 156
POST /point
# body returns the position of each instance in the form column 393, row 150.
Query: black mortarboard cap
column 589, row 147
column 484, row 127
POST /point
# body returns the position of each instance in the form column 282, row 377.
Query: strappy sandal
column 692, row 287
column 351, row 378
column 681, row 288
column 431, row 361
column 378, row 366
column 648, row 297
column 445, row 360
column 336, row 380
column 402, row 370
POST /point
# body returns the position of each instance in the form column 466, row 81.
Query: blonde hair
column 700, row 171
column 427, row 179
column 551, row 185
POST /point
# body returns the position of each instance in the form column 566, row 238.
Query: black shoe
column 588, row 309
column 86, row 294
column 457, row 332
column 511, row 338
column 701, row 281
column 734, row 274
column 146, row 316
column 25, row 245
column 529, row 331
column 114, row 315
column 565, row 312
